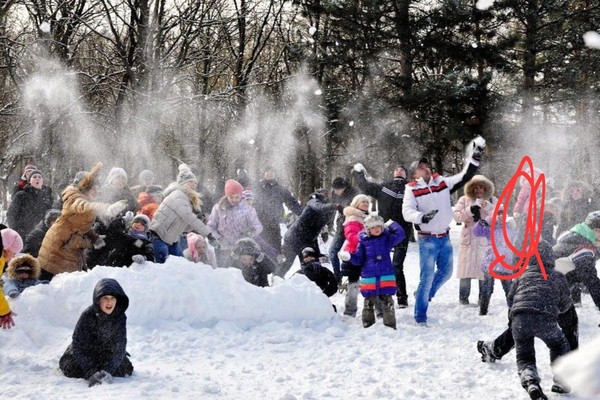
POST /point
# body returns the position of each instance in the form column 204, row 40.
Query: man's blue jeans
column 162, row 250
column 334, row 249
column 435, row 256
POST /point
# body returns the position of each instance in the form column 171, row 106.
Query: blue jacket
column 377, row 276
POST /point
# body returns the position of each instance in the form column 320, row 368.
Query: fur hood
column 21, row 260
column 488, row 187
column 586, row 189
column 354, row 214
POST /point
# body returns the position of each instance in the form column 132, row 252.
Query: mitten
column 388, row 222
column 344, row 255
column 100, row 242
column 128, row 217
column 213, row 241
column 477, row 147
column 115, row 208
column 100, row 377
column 359, row 167
column 476, row 211
column 428, row 216
column 138, row 259
column 6, row 321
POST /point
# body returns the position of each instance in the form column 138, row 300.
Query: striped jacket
column 377, row 275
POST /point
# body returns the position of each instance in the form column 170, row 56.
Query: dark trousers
column 588, row 275
column 464, row 289
column 525, row 328
column 271, row 233
column 398, row 263
column 568, row 322
column 487, row 288
column 334, row 249
column 71, row 369
column 290, row 250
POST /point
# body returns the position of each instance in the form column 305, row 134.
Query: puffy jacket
column 313, row 218
column 28, row 207
column 231, row 223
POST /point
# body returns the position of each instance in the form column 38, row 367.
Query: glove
column 100, row 242
column 6, row 321
column 115, row 208
column 128, row 217
column 476, row 211
column 339, row 208
column 324, row 237
column 359, row 167
column 344, row 255
column 388, row 223
column 478, row 145
column 484, row 223
column 213, row 241
column 99, row 378
column 138, row 259
column 428, row 216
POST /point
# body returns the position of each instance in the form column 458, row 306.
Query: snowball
column 318, row 92
column 484, row 4
column 592, row 39
column 351, row 123
column 312, row 30
column 45, row 27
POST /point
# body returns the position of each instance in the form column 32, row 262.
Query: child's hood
column 19, row 261
column 110, row 287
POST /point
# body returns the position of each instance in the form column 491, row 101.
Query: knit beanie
column 146, row 175
column 185, row 175
column 192, row 239
column 143, row 219
column 233, row 187
column 339, row 183
column 33, row 172
column 114, row 172
column 26, row 170
column 11, row 240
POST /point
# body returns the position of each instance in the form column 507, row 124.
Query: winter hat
column 310, row 252
column 143, row 219
column 153, row 189
column 546, row 253
column 33, row 172
column 359, row 198
column 233, row 187
column 51, row 216
column 185, row 175
column 26, row 171
column 247, row 247
column 415, row 164
column 593, row 220
column 114, row 172
column 193, row 238
column 247, row 195
column 146, row 175
column 339, row 183
column 372, row 221
column 11, row 240
column 402, row 167
column 25, row 263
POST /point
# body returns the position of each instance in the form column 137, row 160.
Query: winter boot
column 483, row 305
column 402, row 302
column 378, row 307
column 487, row 351
column 368, row 314
column 535, row 392
column 560, row 387
column 352, row 299
column 389, row 314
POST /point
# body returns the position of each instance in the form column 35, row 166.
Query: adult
column 34, row 239
column 343, row 193
column 115, row 188
column 24, row 179
column 304, row 231
column 150, row 200
column 269, row 198
column 427, row 204
column 29, row 205
column 390, row 197
column 232, row 219
column 477, row 203
column 175, row 215
column 576, row 203
column 64, row 245
column 146, row 178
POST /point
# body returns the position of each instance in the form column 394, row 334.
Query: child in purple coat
column 377, row 276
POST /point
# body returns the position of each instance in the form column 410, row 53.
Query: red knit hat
column 233, row 187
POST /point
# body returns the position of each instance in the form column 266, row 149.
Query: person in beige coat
column 477, row 203
column 64, row 245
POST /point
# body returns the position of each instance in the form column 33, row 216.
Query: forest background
column 307, row 86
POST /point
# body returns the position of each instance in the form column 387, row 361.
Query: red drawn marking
column 533, row 224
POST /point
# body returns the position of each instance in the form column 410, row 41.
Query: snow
column 195, row 332
column 592, row 39
column 312, row 30
column 484, row 4
column 45, row 27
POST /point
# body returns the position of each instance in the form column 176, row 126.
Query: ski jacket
column 27, row 208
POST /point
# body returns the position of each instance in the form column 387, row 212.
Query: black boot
column 535, row 392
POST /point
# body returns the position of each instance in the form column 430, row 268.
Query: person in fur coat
column 63, row 248
column 22, row 272
column 478, row 202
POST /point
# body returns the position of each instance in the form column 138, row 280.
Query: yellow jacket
column 4, row 307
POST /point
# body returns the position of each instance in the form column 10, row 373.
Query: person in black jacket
column 269, row 197
column 313, row 270
column 305, row 230
column 389, row 196
column 98, row 350
column 130, row 244
column 34, row 239
column 255, row 265
column 343, row 193
column 28, row 206
column 535, row 303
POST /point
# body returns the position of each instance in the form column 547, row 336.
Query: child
column 10, row 244
column 313, row 270
column 131, row 244
column 22, row 272
column 198, row 251
column 255, row 265
column 354, row 216
column 483, row 229
column 98, row 350
column 535, row 304
column 377, row 277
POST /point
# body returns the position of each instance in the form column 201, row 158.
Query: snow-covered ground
column 199, row 333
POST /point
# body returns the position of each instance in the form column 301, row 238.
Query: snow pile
column 581, row 369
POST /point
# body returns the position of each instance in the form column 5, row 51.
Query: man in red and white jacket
column 427, row 205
